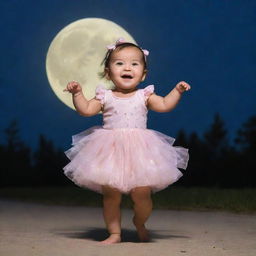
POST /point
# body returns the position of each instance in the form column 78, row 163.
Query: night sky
column 211, row 44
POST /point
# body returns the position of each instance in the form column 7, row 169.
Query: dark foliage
column 15, row 158
column 48, row 163
column 214, row 162
column 20, row 167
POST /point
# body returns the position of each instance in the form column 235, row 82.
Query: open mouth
column 127, row 76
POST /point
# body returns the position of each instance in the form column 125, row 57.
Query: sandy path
column 37, row 230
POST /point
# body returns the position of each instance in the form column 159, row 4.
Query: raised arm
column 83, row 106
column 167, row 103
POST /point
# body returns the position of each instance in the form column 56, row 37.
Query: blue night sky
column 208, row 43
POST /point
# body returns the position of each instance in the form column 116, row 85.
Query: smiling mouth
column 127, row 76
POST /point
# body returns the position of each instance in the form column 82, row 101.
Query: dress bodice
column 130, row 112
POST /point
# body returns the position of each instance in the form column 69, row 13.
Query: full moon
column 76, row 53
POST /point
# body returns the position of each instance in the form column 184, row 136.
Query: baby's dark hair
column 119, row 47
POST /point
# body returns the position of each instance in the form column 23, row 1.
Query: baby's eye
column 119, row 63
column 135, row 63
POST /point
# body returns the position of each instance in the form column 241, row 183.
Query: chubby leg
column 112, row 214
column 141, row 196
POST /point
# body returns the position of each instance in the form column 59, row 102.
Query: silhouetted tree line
column 214, row 161
column 22, row 167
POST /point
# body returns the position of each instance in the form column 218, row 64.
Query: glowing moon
column 76, row 53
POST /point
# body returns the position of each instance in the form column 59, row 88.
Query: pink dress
column 123, row 153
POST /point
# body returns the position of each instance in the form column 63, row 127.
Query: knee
column 139, row 195
column 112, row 195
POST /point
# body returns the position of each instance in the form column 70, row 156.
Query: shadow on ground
column 99, row 234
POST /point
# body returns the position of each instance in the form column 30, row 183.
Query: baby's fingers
column 185, row 86
column 71, row 86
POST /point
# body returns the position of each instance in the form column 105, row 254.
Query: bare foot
column 112, row 239
column 143, row 233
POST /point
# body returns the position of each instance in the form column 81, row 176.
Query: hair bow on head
column 118, row 41
column 122, row 40
column 146, row 52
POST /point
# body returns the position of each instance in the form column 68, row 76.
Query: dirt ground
column 28, row 229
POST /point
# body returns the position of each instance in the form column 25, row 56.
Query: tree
column 181, row 138
column 15, row 158
column 246, row 136
column 49, row 163
column 246, row 140
column 216, row 138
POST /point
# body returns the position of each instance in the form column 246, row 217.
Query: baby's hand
column 182, row 86
column 73, row 87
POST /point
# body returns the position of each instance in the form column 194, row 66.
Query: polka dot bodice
column 130, row 112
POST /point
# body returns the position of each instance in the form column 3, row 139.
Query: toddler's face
column 126, row 68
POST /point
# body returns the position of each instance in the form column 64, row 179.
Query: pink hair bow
column 122, row 40
column 146, row 52
column 113, row 46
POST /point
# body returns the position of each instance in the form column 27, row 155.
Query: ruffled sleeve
column 100, row 93
column 147, row 91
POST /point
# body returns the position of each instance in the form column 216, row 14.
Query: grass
column 175, row 198
column 235, row 200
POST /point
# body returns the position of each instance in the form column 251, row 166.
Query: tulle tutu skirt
column 124, row 159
